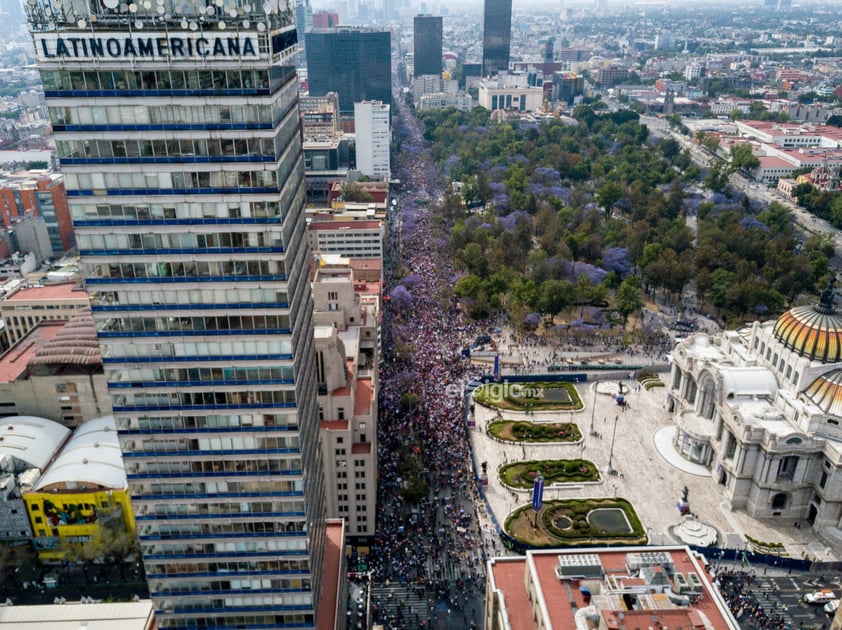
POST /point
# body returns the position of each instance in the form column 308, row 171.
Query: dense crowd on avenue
column 433, row 547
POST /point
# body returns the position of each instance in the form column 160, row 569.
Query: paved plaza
column 650, row 473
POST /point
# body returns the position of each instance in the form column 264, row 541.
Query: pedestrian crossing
column 402, row 602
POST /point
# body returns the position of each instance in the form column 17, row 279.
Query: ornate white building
column 761, row 408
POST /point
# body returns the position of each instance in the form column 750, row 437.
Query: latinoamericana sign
column 147, row 46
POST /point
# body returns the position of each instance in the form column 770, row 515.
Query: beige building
column 55, row 372
column 510, row 92
column 346, row 318
column 353, row 239
column 23, row 308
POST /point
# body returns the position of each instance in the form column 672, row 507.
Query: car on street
column 820, row 597
column 831, row 606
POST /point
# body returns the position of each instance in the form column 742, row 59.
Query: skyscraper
column 303, row 23
column 427, row 36
column 354, row 62
column 496, row 36
column 178, row 133
column 372, row 124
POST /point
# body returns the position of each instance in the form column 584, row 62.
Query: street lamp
column 593, row 406
column 611, row 471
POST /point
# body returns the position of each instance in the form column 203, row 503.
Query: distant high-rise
column 303, row 23
column 496, row 36
column 325, row 19
column 372, row 125
column 355, row 63
column 427, row 36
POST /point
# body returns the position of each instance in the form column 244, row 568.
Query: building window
column 340, row 413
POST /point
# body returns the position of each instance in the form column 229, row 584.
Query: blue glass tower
column 177, row 129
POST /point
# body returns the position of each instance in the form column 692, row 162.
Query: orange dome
column 813, row 331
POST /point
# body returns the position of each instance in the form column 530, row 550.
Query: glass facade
column 177, row 128
column 356, row 64
column 427, row 44
column 496, row 36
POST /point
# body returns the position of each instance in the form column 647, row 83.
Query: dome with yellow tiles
column 826, row 392
column 813, row 331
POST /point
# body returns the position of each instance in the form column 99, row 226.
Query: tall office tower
column 427, row 44
column 303, row 23
column 354, row 62
column 496, row 36
column 373, row 129
column 178, row 133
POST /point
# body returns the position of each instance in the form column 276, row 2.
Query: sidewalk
column 652, row 482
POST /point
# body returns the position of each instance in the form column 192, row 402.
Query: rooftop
column 14, row 361
column 635, row 584
column 126, row 616
column 345, row 225
column 332, row 569
column 66, row 291
column 91, row 456
column 31, row 439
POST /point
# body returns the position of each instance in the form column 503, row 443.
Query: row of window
column 197, row 297
column 211, row 487
column 243, row 567
column 247, row 442
column 201, row 374
column 190, row 269
column 181, row 211
column 173, row 180
column 179, row 240
column 247, row 324
column 238, row 421
column 194, row 80
column 216, row 467
column 271, row 347
column 170, row 114
column 300, row 599
column 252, row 584
column 255, row 620
column 253, row 508
column 204, row 399
column 212, row 529
column 249, row 148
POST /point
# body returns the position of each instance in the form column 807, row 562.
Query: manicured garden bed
column 530, row 396
column 578, row 522
column 522, row 474
column 515, row 431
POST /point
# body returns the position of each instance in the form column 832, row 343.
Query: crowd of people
column 433, row 545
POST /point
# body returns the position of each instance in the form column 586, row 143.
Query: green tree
column 629, row 298
column 555, row 296
column 742, row 157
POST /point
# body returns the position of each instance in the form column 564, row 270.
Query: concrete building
column 30, row 234
column 427, row 45
column 609, row 76
column 373, row 123
column 40, row 194
column 510, row 92
column 347, row 316
column 188, row 208
column 55, row 371
column 567, row 86
column 352, row 239
column 441, row 100
column 496, row 36
column 628, row 587
column 426, row 84
column 760, row 408
column 354, row 62
column 25, row 306
column 320, row 116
